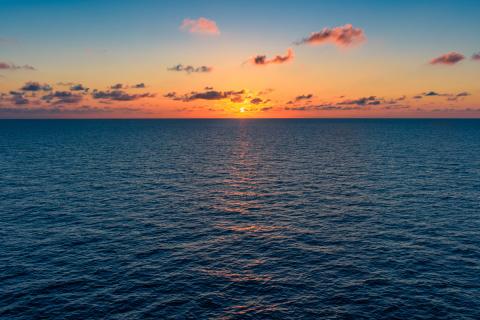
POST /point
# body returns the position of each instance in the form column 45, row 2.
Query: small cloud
column 200, row 26
column 343, row 36
column 458, row 96
column 476, row 56
column 11, row 66
column 18, row 98
column 35, row 86
column 261, row 60
column 190, row 69
column 117, row 86
column 139, row 86
column 303, row 97
column 78, row 87
column 450, row 58
column 256, row 101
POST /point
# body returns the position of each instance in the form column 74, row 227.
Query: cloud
column 234, row 96
column 139, row 86
column 256, row 101
column 35, row 86
column 261, row 60
column 61, row 97
column 117, row 86
column 119, row 95
column 343, row 36
column 476, row 56
column 432, row 94
column 304, row 97
column 190, row 69
column 11, row 66
column 59, row 110
column 78, row 87
column 200, row 26
column 321, row 107
column 458, row 96
column 371, row 101
column 450, row 58
column 450, row 96
column 18, row 98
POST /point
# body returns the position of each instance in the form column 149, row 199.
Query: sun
column 242, row 110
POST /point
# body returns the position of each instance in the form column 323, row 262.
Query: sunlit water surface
column 240, row 219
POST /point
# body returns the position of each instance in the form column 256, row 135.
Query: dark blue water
column 240, row 219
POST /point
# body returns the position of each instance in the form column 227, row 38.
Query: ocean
column 240, row 219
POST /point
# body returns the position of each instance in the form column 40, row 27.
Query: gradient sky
column 408, row 59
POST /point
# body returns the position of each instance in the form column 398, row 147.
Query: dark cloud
column 321, row 107
column 256, row 101
column 450, row 58
column 171, row 95
column 119, row 95
column 304, row 97
column 458, row 96
column 261, row 60
column 190, row 69
column 11, row 66
column 117, row 86
column 234, row 96
column 432, row 94
column 35, row 86
column 62, row 97
column 476, row 56
column 78, row 87
column 371, row 101
column 343, row 36
column 139, row 86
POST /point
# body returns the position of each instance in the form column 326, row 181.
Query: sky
column 239, row 59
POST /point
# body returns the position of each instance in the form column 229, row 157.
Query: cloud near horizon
column 261, row 60
column 450, row 58
column 343, row 36
column 190, row 69
column 476, row 56
column 200, row 26
column 119, row 95
column 234, row 96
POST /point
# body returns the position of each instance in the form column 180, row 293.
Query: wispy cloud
column 450, row 58
column 200, row 26
column 12, row 66
column 476, row 56
column 343, row 36
column 190, row 69
column 262, row 60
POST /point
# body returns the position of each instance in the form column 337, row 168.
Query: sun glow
column 242, row 110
